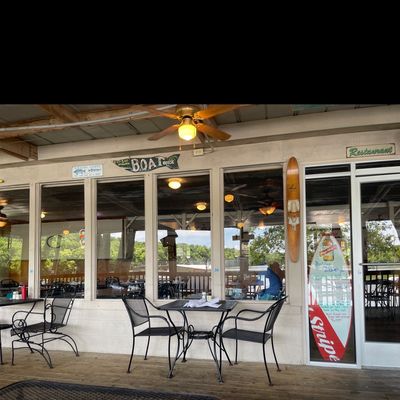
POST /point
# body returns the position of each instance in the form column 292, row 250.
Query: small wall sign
column 371, row 150
column 87, row 171
column 148, row 163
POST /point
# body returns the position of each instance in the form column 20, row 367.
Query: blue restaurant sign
column 148, row 163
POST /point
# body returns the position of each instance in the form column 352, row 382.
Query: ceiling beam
column 60, row 114
column 20, row 149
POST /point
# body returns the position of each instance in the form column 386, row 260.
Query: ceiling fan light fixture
column 201, row 205
column 174, row 183
column 267, row 210
column 229, row 197
column 187, row 130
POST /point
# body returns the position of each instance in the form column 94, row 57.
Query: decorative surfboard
column 293, row 208
column 330, row 304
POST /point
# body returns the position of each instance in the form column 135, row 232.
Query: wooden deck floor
column 243, row 381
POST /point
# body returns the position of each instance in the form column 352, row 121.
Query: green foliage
column 381, row 247
column 193, row 254
column 231, row 253
column 268, row 247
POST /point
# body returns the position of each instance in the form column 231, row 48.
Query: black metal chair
column 138, row 312
column 2, row 327
column 35, row 336
column 237, row 334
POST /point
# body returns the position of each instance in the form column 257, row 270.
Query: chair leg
column 236, row 351
column 133, row 349
column 273, row 351
column 12, row 352
column 1, row 351
column 176, row 357
column 266, row 366
column 147, row 348
column 224, row 350
column 169, row 357
column 73, row 345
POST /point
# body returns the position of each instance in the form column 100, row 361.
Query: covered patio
column 245, row 381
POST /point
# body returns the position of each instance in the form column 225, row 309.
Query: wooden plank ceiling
column 24, row 127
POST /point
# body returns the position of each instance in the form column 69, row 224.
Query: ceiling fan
column 191, row 119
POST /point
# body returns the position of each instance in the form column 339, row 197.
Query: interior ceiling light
column 42, row 214
column 174, row 183
column 66, row 232
column 229, row 197
column 3, row 218
column 267, row 210
column 187, row 130
column 201, row 205
column 240, row 224
column 3, row 202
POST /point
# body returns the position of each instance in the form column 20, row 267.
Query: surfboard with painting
column 293, row 208
column 330, row 304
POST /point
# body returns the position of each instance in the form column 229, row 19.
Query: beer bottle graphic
column 326, row 245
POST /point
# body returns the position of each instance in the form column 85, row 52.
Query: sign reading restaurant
column 148, row 163
column 371, row 150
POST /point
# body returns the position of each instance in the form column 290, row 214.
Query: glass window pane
column 330, row 286
column 62, row 253
column 380, row 205
column 120, row 239
column 254, row 235
column 184, row 237
column 14, row 240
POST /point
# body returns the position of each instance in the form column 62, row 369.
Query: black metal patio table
column 213, row 334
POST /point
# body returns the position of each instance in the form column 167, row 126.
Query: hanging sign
column 87, row 171
column 371, row 150
column 148, row 163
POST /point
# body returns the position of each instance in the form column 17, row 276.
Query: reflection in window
column 120, row 239
column 330, row 308
column 14, row 239
column 254, row 234
column 62, row 253
column 184, row 237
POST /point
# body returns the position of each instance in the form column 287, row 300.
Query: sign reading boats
column 149, row 163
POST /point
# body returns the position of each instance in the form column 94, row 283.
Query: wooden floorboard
column 243, row 381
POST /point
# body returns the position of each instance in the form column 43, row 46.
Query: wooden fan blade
column 211, row 131
column 215, row 110
column 159, row 112
column 165, row 132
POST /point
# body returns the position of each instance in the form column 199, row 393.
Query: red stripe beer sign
column 330, row 304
